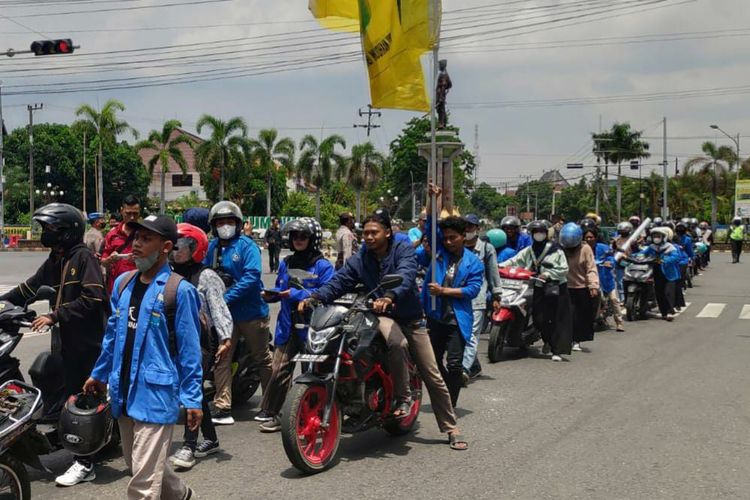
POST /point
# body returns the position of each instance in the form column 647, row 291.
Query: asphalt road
column 661, row 411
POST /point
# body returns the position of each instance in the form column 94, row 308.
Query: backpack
column 207, row 334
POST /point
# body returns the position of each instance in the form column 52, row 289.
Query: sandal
column 457, row 442
column 402, row 410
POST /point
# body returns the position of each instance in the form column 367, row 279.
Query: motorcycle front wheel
column 631, row 305
column 310, row 447
column 14, row 479
column 498, row 334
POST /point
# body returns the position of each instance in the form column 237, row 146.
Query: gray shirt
column 486, row 253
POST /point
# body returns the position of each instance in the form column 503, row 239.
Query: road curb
column 24, row 249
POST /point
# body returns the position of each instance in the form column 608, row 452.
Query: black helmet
column 510, row 221
column 62, row 224
column 85, row 424
column 589, row 225
column 304, row 225
column 536, row 226
column 681, row 227
column 225, row 209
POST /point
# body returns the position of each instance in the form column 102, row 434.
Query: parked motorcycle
column 638, row 285
column 512, row 325
column 346, row 385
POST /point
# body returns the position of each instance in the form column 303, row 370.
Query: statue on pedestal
column 444, row 85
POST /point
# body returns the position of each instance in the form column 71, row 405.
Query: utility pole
column 2, row 175
column 665, row 204
column 369, row 126
column 477, row 158
column 528, row 197
column 31, row 108
column 84, row 171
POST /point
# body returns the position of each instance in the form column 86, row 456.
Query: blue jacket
column 522, row 241
column 685, row 243
column 159, row 383
column 604, row 253
column 468, row 278
column 670, row 260
column 364, row 268
column 401, row 237
column 505, row 254
column 242, row 260
column 323, row 269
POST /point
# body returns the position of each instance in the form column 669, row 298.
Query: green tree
column 488, row 203
column 221, row 152
column 298, row 205
column 268, row 151
column 365, row 167
column 319, row 163
column 105, row 125
column 715, row 161
column 165, row 145
column 626, row 145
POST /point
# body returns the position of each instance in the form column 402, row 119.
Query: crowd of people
column 150, row 309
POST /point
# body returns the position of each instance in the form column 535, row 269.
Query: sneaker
column 183, row 458
column 188, row 493
column 556, row 357
column 273, row 425
column 576, row 347
column 77, row 473
column 464, row 379
column 620, row 328
column 206, row 448
column 546, row 349
column 263, row 416
column 222, row 417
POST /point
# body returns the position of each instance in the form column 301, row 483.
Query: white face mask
column 657, row 240
column 471, row 236
column 540, row 237
column 145, row 263
column 226, row 231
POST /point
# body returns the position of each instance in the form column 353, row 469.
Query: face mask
column 50, row 238
column 145, row 263
column 471, row 236
column 226, row 232
column 657, row 241
column 540, row 237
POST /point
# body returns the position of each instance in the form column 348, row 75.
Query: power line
column 119, row 9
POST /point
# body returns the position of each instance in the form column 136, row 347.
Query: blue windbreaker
column 506, row 254
column 670, row 259
column 323, row 270
column 522, row 241
column 159, row 383
column 604, row 253
column 242, row 260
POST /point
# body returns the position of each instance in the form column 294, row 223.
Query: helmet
column 594, row 217
column 198, row 217
column 681, row 226
column 186, row 230
column 664, row 231
column 62, row 224
column 571, row 235
column 95, row 216
column 693, row 221
column 85, row 424
column 625, row 227
column 737, row 221
column 304, row 225
column 685, row 220
column 497, row 237
column 589, row 225
column 536, row 226
column 510, row 221
column 635, row 220
column 222, row 210
column 658, row 221
column 670, row 225
column 703, row 225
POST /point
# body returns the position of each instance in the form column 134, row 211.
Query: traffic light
column 52, row 47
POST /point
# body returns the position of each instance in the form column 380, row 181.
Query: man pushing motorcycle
column 400, row 314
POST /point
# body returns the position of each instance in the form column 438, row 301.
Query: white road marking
column 687, row 304
column 711, row 311
column 745, row 314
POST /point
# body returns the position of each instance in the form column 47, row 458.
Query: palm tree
column 715, row 160
column 165, row 148
column 365, row 168
column 106, row 126
column 217, row 153
column 268, row 151
column 625, row 145
column 319, row 162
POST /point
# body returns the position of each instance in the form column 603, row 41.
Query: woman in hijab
column 551, row 303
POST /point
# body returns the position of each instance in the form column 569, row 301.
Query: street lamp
column 736, row 141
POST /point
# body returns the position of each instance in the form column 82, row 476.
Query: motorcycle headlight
column 318, row 340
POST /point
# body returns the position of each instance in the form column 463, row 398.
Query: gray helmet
column 625, row 227
column 510, row 221
column 222, row 210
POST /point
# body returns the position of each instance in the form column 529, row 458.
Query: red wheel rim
column 316, row 443
column 408, row 421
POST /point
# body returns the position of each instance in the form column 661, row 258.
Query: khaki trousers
column 421, row 351
column 145, row 448
column 397, row 360
column 257, row 335
column 281, row 375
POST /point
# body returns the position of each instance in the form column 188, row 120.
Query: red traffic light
column 52, row 47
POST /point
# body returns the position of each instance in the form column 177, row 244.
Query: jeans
column 471, row 360
column 207, row 428
column 273, row 257
column 448, row 343
column 736, row 250
column 619, row 273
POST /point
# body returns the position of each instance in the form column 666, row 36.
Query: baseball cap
column 472, row 219
column 162, row 225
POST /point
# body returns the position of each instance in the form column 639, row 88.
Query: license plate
column 310, row 358
column 505, row 283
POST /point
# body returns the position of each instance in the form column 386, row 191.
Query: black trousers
column 273, row 257
column 207, row 428
column 448, row 345
column 665, row 292
column 736, row 250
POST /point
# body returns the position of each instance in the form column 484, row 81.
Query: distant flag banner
column 394, row 33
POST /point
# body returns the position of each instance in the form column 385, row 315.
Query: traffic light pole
column 32, row 108
column 2, row 174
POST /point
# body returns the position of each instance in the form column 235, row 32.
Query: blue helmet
column 571, row 235
column 95, row 216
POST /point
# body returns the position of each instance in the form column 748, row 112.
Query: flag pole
column 433, row 170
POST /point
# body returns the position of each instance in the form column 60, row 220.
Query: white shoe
column 576, row 347
column 77, row 473
column 556, row 357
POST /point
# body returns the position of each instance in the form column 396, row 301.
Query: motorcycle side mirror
column 297, row 277
column 44, row 292
column 391, row 281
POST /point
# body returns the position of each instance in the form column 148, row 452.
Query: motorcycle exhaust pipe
column 633, row 238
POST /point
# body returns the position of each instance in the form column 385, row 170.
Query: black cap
column 160, row 224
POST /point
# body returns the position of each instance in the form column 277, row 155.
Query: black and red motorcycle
column 346, row 386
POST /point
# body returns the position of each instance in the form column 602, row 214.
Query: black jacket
column 81, row 308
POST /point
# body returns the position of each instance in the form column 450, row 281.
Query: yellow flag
column 395, row 33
